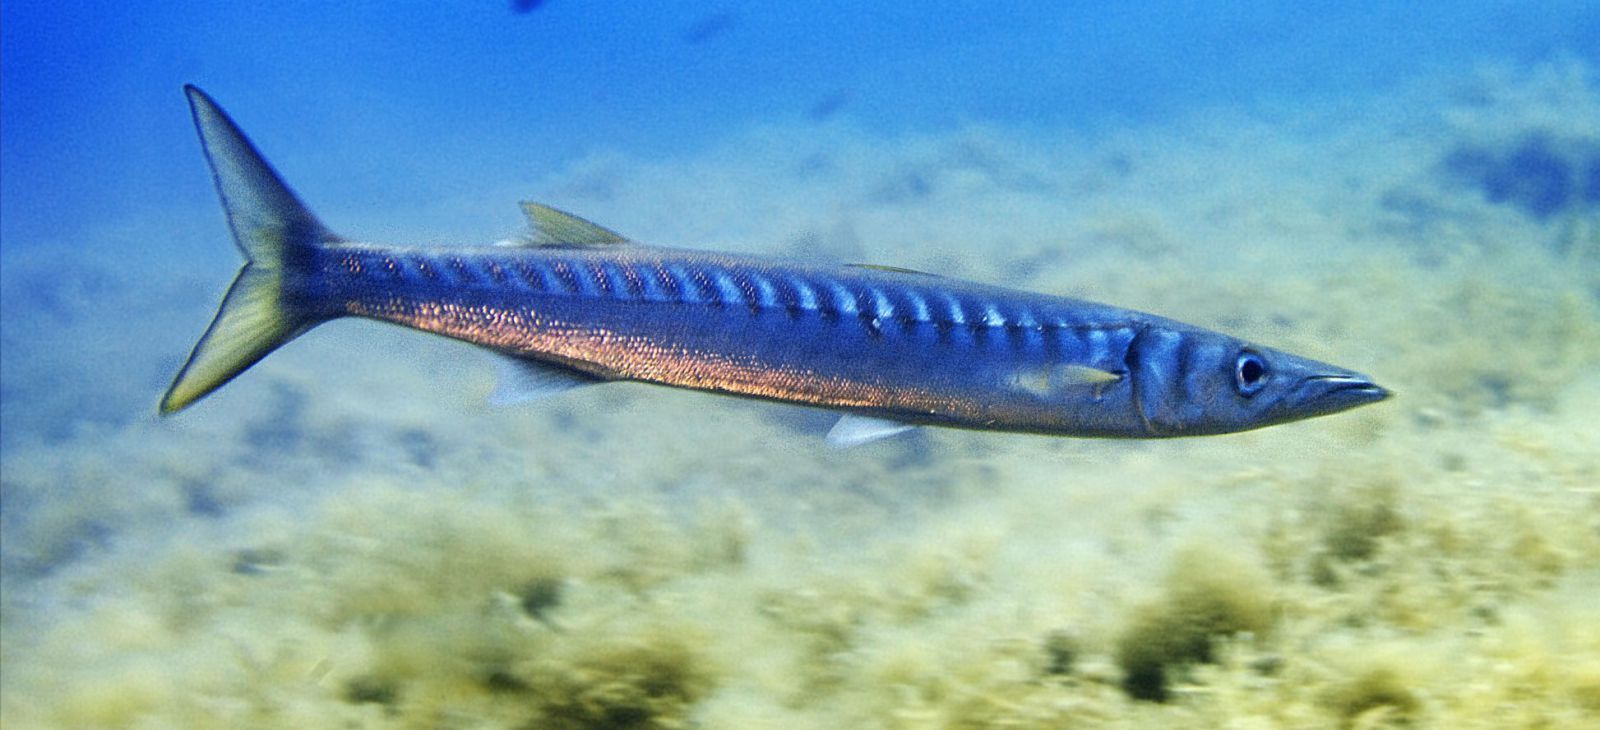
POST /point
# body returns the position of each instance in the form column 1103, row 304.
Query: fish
column 572, row 304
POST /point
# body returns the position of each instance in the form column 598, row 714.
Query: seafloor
column 347, row 537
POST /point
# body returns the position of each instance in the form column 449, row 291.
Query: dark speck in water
column 710, row 27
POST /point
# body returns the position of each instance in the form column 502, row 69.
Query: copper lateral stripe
column 642, row 358
column 522, row 329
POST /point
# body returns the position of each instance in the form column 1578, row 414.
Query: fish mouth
column 1332, row 393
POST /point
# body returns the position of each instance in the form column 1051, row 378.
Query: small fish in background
column 523, row 7
column 575, row 304
column 710, row 27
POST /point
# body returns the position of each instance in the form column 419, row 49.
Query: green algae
column 1374, row 697
column 621, row 686
column 1209, row 595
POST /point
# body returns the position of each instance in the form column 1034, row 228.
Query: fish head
column 1196, row 382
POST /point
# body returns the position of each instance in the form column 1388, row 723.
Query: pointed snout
column 1330, row 393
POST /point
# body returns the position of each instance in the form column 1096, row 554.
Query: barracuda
column 575, row 304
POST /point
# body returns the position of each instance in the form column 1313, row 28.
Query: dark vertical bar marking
column 788, row 295
column 670, row 286
column 497, row 273
column 867, row 311
column 1017, row 333
column 602, row 281
column 827, row 306
column 567, row 277
column 425, row 266
column 632, row 280
column 752, row 296
column 462, row 272
column 709, row 291
column 531, row 273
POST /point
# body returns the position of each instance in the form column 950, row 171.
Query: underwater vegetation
column 342, row 542
column 1209, row 596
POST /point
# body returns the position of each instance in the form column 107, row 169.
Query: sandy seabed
column 346, row 537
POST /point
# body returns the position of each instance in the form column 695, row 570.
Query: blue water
column 93, row 117
column 347, row 536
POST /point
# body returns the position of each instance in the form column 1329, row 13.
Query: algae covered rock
column 628, row 684
column 1210, row 595
column 1378, row 696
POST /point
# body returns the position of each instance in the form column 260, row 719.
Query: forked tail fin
column 276, row 234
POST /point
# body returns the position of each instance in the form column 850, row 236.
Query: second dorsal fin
column 891, row 269
column 552, row 227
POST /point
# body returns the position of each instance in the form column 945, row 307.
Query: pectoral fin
column 1047, row 380
column 1082, row 375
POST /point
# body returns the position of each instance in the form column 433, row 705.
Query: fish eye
column 1250, row 373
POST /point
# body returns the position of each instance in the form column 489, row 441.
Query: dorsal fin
column 552, row 227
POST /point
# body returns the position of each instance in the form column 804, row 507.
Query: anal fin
column 854, row 430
